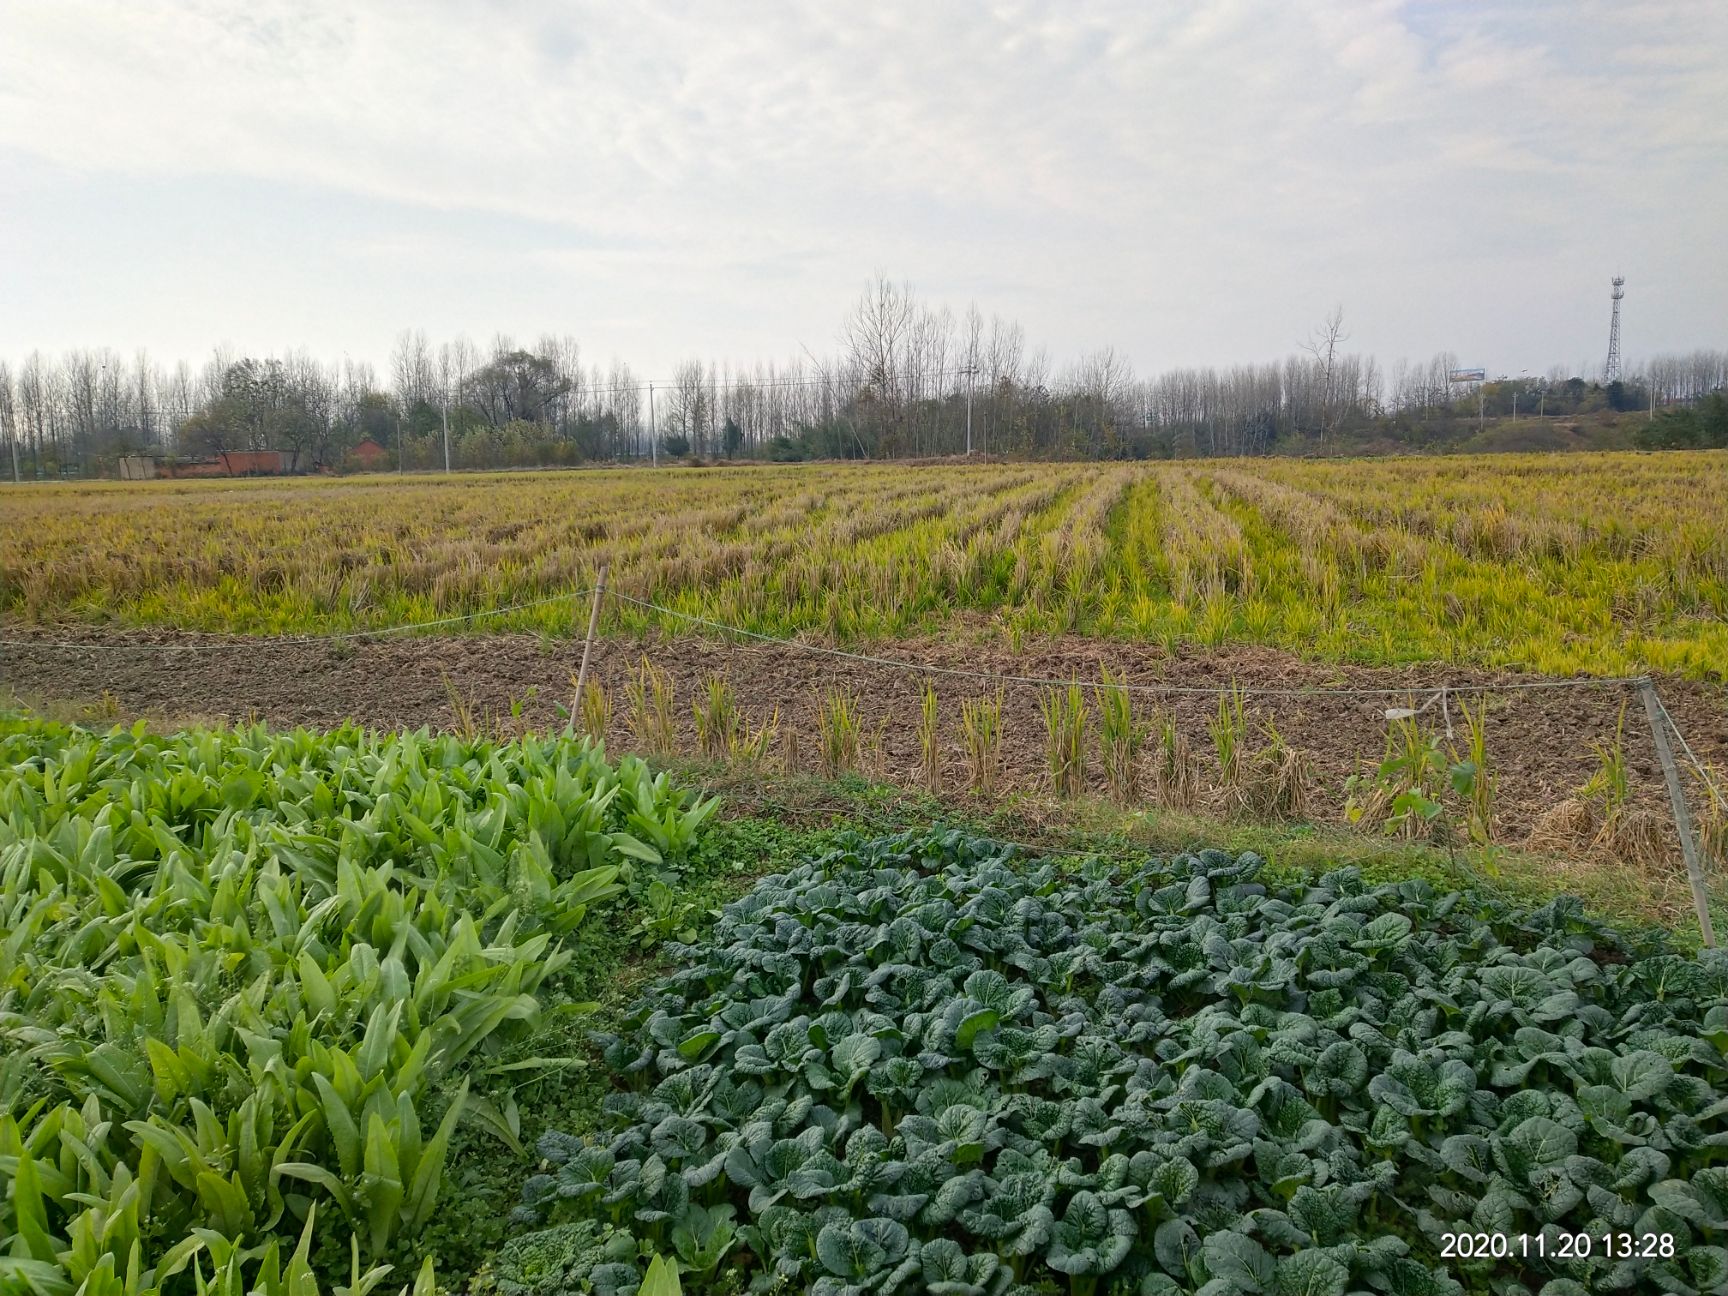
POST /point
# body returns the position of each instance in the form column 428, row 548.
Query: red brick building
column 369, row 454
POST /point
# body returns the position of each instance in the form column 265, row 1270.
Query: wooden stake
column 1677, row 799
column 588, row 644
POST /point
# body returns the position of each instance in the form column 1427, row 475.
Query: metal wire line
column 1698, row 765
column 1193, row 690
column 1162, row 689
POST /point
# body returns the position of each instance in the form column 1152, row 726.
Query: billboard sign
column 1466, row 375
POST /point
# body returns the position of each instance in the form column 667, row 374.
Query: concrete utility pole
column 653, row 431
column 969, row 370
column 444, row 412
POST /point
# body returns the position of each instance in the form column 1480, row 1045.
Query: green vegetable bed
column 924, row 1065
column 247, row 979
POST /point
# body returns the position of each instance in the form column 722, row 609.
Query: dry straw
column 717, row 720
column 981, row 727
column 1176, row 770
column 840, row 730
column 650, row 695
column 1064, row 712
column 596, row 710
column 1119, row 737
column 929, row 741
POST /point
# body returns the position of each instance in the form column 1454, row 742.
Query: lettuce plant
column 242, row 974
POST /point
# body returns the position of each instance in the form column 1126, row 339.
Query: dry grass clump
column 1602, row 823
column 718, row 722
column 1277, row 783
column 1064, row 712
column 1574, row 828
column 1641, row 837
column 1709, row 801
column 650, row 695
column 1120, row 736
column 1566, row 826
column 750, row 746
column 1175, row 767
column 981, row 728
column 839, row 732
column 929, row 741
column 594, row 709
column 1229, row 728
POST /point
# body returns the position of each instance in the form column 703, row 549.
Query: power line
column 1698, row 765
column 1438, row 691
column 1220, row 690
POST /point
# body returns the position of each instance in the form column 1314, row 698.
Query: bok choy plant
column 927, row 1064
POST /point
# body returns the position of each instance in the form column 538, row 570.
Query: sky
column 1191, row 183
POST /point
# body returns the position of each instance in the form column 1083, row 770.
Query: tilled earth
column 1541, row 741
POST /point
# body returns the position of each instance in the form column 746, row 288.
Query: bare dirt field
column 1541, row 741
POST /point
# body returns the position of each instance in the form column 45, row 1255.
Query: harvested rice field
column 1602, row 565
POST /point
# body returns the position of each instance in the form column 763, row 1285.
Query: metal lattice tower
column 1611, row 371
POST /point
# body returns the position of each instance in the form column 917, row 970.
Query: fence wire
column 1216, row 690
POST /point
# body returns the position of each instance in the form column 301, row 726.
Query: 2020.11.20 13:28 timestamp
column 1557, row 1246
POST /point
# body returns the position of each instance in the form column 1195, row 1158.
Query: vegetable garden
column 246, row 980
column 268, row 1000
column 925, row 1065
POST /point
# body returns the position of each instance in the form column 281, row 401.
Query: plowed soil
column 1541, row 741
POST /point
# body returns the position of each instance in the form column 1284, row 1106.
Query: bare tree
column 688, row 407
column 35, row 398
column 411, row 370
column 10, row 428
column 875, row 337
column 1322, row 345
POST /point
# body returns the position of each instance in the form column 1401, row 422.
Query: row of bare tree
column 907, row 378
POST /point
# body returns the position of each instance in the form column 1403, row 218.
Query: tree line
column 907, row 379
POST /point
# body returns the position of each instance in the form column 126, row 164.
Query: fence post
column 588, row 643
column 1677, row 799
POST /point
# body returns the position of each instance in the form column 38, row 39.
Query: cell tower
column 1611, row 371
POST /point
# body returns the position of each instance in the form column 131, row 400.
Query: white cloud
column 1192, row 183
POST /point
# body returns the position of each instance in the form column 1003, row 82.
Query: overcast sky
column 1192, row 183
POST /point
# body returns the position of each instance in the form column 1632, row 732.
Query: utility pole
column 653, row 429
column 969, row 370
column 399, row 461
column 444, row 412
